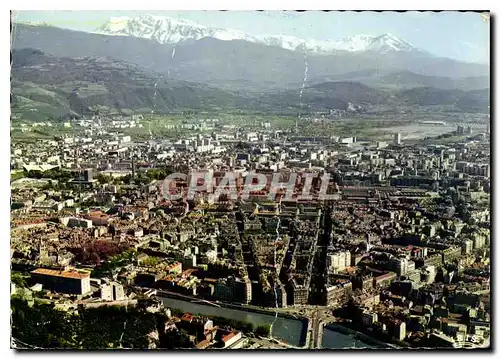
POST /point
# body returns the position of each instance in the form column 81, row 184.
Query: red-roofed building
column 187, row 317
column 231, row 338
column 62, row 281
column 98, row 218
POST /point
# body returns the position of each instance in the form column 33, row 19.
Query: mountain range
column 234, row 63
column 168, row 30
column 159, row 64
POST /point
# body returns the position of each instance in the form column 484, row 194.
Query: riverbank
column 285, row 328
column 363, row 337
column 305, row 328
column 244, row 307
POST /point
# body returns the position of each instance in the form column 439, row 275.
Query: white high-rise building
column 401, row 266
column 397, row 138
column 118, row 292
column 112, row 291
column 338, row 261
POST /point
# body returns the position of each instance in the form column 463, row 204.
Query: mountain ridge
column 63, row 86
column 235, row 64
column 167, row 30
column 406, row 79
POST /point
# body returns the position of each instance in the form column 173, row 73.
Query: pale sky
column 462, row 36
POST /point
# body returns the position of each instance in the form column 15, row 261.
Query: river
column 335, row 340
column 288, row 330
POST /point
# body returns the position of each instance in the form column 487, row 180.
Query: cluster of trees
column 57, row 179
column 17, row 175
column 18, row 279
column 463, row 210
column 176, row 339
column 103, row 179
column 120, row 260
column 151, row 261
column 158, row 173
column 263, row 330
column 43, row 326
column 55, row 174
column 141, row 177
column 97, row 251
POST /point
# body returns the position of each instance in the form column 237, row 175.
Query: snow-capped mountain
column 389, row 42
column 383, row 43
column 168, row 30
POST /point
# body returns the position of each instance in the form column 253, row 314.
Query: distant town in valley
column 176, row 185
